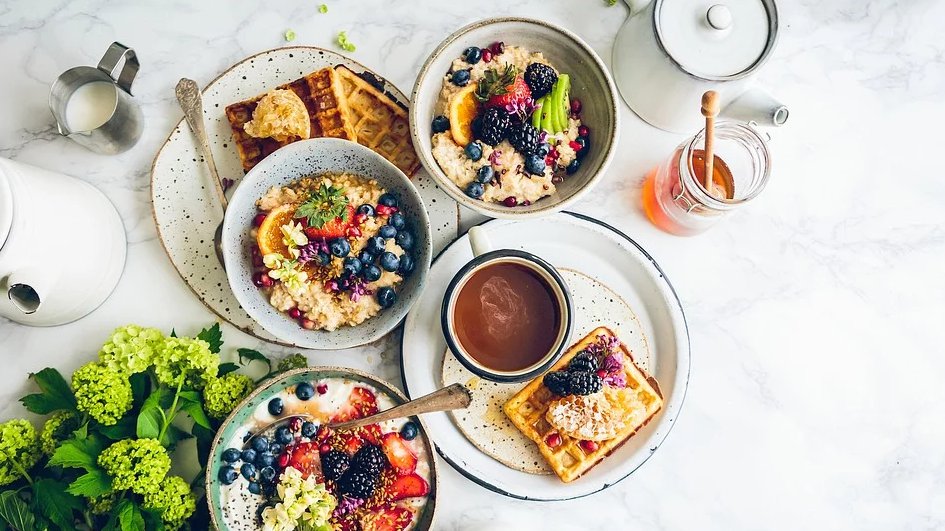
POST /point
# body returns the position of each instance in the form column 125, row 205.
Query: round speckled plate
column 183, row 201
column 484, row 423
column 252, row 411
column 575, row 243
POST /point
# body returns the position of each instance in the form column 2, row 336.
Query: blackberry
column 357, row 484
column 584, row 383
column 558, row 383
column 493, row 126
column 524, row 138
column 540, row 78
column 584, row 361
column 335, row 464
column 370, row 459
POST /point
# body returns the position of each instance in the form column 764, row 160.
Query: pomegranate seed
column 295, row 424
column 283, row 460
column 497, row 48
column 575, row 145
column 589, row 446
column 557, row 179
column 601, row 372
column 554, row 154
column 295, row 313
column 525, row 202
column 576, row 106
column 307, row 324
column 262, row 280
column 510, row 201
column 321, row 388
column 324, row 448
column 257, row 258
column 353, row 232
column 553, row 440
column 487, row 55
column 257, row 221
column 384, row 210
column 584, row 130
column 549, row 160
column 359, row 218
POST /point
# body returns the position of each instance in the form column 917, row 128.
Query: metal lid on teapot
column 717, row 39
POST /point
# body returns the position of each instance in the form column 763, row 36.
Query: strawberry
column 371, row 433
column 516, row 96
column 333, row 229
column 398, row 454
column 361, row 403
column 387, row 518
column 305, row 459
column 409, row 486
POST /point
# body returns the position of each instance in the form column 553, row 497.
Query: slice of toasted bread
column 639, row 402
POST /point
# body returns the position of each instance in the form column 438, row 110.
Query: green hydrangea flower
column 57, row 428
column 130, row 349
column 19, row 450
column 103, row 394
column 138, row 465
column 175, row 501
column 102, row 504
column 222, row 394
column 295, row 361
column 183, row 357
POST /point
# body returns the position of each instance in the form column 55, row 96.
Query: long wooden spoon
column 710, row 109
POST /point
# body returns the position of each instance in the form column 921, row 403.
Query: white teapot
column 669, row 52
column 62, row 246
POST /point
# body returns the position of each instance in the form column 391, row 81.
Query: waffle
column 379, row 122
column 321, row 93
column 528, row 408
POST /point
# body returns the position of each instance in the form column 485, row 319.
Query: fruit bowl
column 590, row 83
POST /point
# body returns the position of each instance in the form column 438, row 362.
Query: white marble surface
column 816, row 313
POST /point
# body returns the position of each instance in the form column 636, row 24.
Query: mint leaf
column 129, row 516
column 254, row 355
column 213, row 336
column 56, row 394
column 77, row 453
column 227, row 368
column 53, row 502
column 93, row 483
column 15, row 512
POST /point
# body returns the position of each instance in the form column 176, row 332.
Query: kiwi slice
column 536, row 116
column 562, row 102
column 546, row 111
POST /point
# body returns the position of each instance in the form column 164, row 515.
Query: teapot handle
column 636, row 6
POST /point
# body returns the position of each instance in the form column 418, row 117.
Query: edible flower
column 285, row 271
column 310, row 251
column 347, row 505
column 305, row 503
column 358, row 288
column 494, row 157
column 292, row 237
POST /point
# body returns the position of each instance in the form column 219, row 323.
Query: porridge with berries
column 331, row 249
column 506, row 129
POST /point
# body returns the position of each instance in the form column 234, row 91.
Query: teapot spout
column 756, row 105
column 26, row 289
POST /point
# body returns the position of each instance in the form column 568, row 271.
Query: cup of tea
column 507, row 314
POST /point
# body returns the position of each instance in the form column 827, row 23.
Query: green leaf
column 129, row 516
column 126, row 428
column 140, row 386
column 173, row 333
column 154, row 522
column 204, row 438
column 227, row 368
column 213, row 336
column 14, row 511
column 56, row 394
column 172, row 436
column 192, row 406
column 152, row 416
column 253, row 355
column 78, row 453
column 53, row 502
column 93, row 483
column 323, row 205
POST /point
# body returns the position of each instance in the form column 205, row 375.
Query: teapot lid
column 6, row 205
column 717, row 39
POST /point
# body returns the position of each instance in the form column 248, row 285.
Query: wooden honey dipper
column 710, row 109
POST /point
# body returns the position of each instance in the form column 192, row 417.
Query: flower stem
column 21, row 470
column 172, row 412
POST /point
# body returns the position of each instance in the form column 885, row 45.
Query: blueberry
column 485, row 174
column 386, row 297
column 366, row 258
column 227, row 474
column 475, row 190
column 352, row 265
column 535, row 164
column 387, row 232
column 276, row 448
column 543, row 150
column 440, row 124
column 375, row 245
column 406, row 265
column 367, row 210
column 409, row 431
column 260, row 444
column 254, row 488
column 405, row 240
column 267, row 474
column 265, row 459
column 472, row 55
column 275, row 408
column 339, row 247
column 585, row 146
column 231, row 455
column 474, row 150
column 397, row 220
column 387, row 199
column 308, row 429
column 304, row 391
column 389, row 261
column 573, row 166
column 283, row 435
column 371, row 273
column 248, row 455
column 460, row 78
column 248, row 470
column 324, row 258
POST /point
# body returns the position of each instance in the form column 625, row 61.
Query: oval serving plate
column 588, row 246
column 252, row 411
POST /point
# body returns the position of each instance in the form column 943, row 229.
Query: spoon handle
column 455, row 396
column 188, row 95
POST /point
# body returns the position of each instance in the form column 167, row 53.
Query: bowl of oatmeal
column 326, row 244
column 514, row 117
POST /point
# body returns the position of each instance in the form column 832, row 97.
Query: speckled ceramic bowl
column 590, row 82
column 300, row 159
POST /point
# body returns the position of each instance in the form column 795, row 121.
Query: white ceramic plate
column 184, row 203
column 594, row 248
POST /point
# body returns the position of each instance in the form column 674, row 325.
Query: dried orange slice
column 269, row 237
column 463, row 108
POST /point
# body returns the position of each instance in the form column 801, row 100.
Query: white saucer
column 570, row 241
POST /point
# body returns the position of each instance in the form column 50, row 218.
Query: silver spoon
column 188, row 95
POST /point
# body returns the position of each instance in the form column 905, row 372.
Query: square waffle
column 379, row 122
column 527, row 410
column 320, row 91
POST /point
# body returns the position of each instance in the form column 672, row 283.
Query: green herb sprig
column 495, row 82
column 323, row 205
